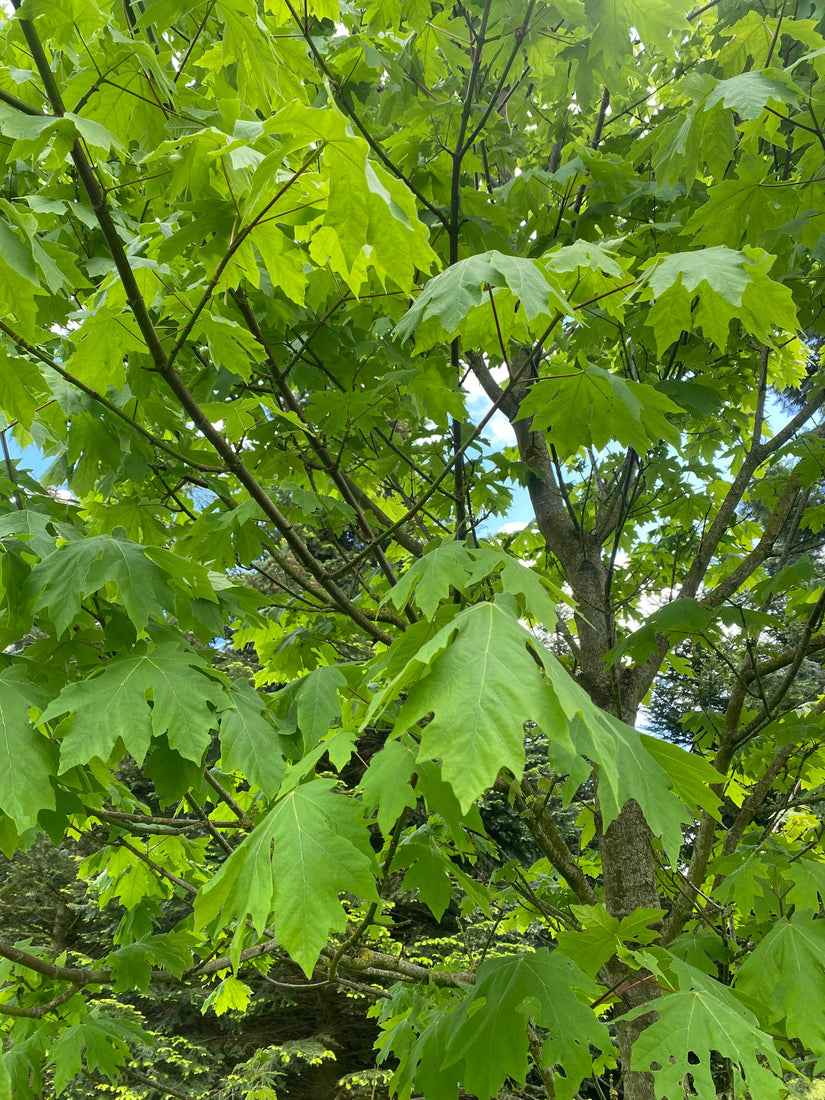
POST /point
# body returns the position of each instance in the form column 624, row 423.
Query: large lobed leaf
column 480, row 681
column 311, row 847
column 154, row 690
column 703, row 1016
column 27, row 758
column 784, row 978
column 593, row 407
column 484, row 1040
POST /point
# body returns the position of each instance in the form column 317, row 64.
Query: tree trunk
column 629, row 876
column 628, row 868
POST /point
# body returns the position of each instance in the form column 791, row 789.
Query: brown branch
column 763, row 549
column 73, row 974
column 701, row 11
column 152, row 1082
column 176, row 880
column 344, row 483
column 105, row 403
column 37, row 1012
column 226, row 798
column 238, row 468
column 754, row 801
column 519, row 33
column 163, row 364
column 168, row 824
column 191, row 45
column 19, row 104
column 761, row 391
column 419, row 503
column 546, row 1073
column 18, row 496
column 547, row 835
column 379, row 964
column 782, row 660
column 594, row 144
column 208, row 825
column 770, row 705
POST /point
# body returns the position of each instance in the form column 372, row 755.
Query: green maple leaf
column 386, row 783
column 27, row 758
column 131, row 967
column 318, row 703
column 482, row 685
column 433, row 576
column 665, row 782
column 488, row 1032
column 748, row 93
column 682, row 616
column 783, row 977
column 229, row 995
column 22, row 389
column 750, row 36
column 704, row 1016
column 230, row 344
column 61, row 581
column 765, row 303
column 249, row 739
column 601, row 935
column 371, row 220
column 736, row 208
column 17, row 253
column 283, row 259
column 427, row 1062
column 596, row 407
column 583, row 254
column 166, row 689
column 691, row 776
column 696, row 136
column 99, row 1044
column 722, row 269
column 36, row 530
column 5, row 1079
column 626, row 770
column 311, row 847
column 101, row 345
column 726, row 284
column 448, row 299
column 537, row 597
column 132, row 964
column 427, row 870
column 657, row 23
column 440, row 799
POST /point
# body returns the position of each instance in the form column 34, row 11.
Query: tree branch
column 37, row 1012
column 547, row 835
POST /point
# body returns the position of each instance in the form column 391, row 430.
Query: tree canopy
column 294, row 301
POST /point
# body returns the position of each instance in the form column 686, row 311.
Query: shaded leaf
column 250, row 743
column 510, row 991
column 62, row 580
column 27, row 758
column 386, row 783
column 784, row 976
